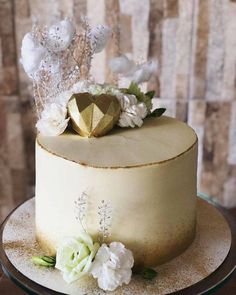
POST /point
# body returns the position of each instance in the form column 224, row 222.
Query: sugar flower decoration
column 122, row 65
column 132, row 111
column 99, row 36
column 137, row 73
column 112, row 266
column 53, row 120
column 60, row 35
column 75, row 256
column 32, row 53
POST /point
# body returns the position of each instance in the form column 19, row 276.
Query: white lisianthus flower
column 132, row 112
column 60, row 35
column 32, row 53
column 53, row 120
column 112, row 266
column 75, row 255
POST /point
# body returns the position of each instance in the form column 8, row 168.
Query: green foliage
column 48, row 261
column 149, row 274
column 134, row 89
column 157, row 112
column 150, row 94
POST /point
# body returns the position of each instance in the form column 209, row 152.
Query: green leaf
column 141, row 96
column 149, row 274
column 150, row 94
column 157, row 112
column 48, row 261
column 135, row 90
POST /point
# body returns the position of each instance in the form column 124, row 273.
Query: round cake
column 147, row 176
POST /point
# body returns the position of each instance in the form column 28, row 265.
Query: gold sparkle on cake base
column 207, row 252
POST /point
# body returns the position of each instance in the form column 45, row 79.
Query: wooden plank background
column 194, row 42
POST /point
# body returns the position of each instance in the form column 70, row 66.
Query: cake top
column 58, row 59
column 159, row 139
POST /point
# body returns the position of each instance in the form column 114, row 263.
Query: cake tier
column 147, row 175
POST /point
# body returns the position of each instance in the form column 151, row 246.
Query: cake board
column 203, row 267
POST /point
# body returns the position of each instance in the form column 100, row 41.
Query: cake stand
column 12, row 261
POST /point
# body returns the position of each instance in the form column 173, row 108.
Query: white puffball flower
column 32, row 53
column 121, row 64
column 136, row 73
column 53, row 121
column 99, row 36
column 112, row 266
column 144, row 72
column 60, row 35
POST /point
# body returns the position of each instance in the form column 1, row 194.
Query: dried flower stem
column 105, row 214
column 80, row 208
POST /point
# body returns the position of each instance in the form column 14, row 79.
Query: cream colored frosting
column 152, row 190
column 158, row 140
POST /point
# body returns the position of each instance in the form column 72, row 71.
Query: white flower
column 81, row 86
column 32, row 54
column 112, row 266
column 96, row 89
column 75, row 255
column 60, row 35
column 53, row 120
column 143, row 72
column 132, row 112
column 99, row 36
column 136, row 73
column 133, row 116
column 121, row 65
column 63, row 98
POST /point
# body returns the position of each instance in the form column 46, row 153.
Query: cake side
column 153, row 205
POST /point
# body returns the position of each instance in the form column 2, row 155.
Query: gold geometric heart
column 93, row 115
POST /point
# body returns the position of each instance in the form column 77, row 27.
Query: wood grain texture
column 194, row 42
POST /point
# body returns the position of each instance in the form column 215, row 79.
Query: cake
column 148, row 175
column 115, row 180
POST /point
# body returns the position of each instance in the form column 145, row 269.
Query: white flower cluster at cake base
column 110, row 264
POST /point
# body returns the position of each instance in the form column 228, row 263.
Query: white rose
column 60, row 35
column 32, row 53
column 75, row 255
column 112, row 266
column 53, row 120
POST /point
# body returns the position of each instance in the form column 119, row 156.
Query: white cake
column 148, row 176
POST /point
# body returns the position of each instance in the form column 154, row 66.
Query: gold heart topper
column 93, row 116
